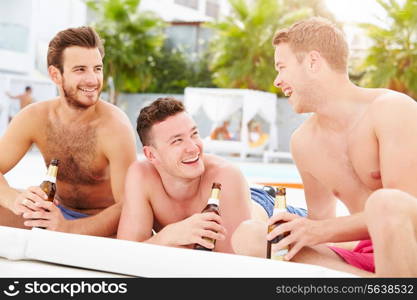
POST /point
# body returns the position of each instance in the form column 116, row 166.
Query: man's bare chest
column 167, row 211
column 347, row 164
column 77, row 150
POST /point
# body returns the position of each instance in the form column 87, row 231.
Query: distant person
column 257, row 137
column 222, row 132
column 24, row 99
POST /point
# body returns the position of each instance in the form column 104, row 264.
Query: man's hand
column 301, row 232
column 40, row 213
column 25, row 201
column 193, row 230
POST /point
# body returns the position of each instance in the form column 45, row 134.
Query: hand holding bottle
column 26, row 199
column 193, row 230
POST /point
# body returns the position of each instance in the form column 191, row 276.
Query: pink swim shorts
column 361, row 257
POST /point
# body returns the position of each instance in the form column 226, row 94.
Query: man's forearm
column 345, row 229
column 7, row 194
column 102, row 224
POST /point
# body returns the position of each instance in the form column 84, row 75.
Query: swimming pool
column 270, row 172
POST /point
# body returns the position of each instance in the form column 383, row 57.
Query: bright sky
column 357, row 11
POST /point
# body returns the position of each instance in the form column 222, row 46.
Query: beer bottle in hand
column 49, row 184
column 271, row 192
column 280, row 205
column 212, row 206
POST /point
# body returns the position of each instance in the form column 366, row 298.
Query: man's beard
column 72, row 100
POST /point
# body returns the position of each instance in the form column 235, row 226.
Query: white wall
column 42, row 19
column 16, row 36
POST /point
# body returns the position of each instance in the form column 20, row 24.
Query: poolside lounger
column 139, row 259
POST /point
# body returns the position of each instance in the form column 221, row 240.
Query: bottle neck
column 214, row 197
column 280, row 203
column 51, row 174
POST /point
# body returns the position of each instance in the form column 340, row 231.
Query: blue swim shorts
column 267, row 202
column 70, row 214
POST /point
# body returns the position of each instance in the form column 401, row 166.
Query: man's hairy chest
column 77, row 151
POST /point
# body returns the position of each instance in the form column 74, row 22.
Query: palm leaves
column 392, row 61
column 242, row 52
column 132, row 39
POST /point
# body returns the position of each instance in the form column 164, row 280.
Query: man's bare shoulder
column 218, row 167
column 37, row 111
column 302, row 136
column 389, row 98
column 391, row 105
column 111, row 114
column 113, row 122
column 143, row 170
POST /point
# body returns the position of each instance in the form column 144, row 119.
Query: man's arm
column 395, row 123
column 13, row 97
column 13, row 146
column 234, row 203
column 321, row 226
column 136, row 220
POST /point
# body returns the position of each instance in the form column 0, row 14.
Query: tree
column 318, row 7
column 132, row 40
column 173, row 72
column 242, row 51
column 392, row 60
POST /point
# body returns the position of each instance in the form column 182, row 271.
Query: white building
column 26, row 27
column 186, row 19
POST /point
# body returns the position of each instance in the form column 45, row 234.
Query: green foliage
column 132, row 41
column 173, row 72
column 243, row 56
column 392, row 61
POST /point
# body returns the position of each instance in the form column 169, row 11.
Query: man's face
column 293, row 78
column 82, row 79
column 177, row 146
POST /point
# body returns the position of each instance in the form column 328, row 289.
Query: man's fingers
column 213, row 235
column 37, row 223
column 47, row 205
column 27, row 204
column 38, row 191
column 206, row 243
column 36, row 215
column 283, row 216
column 293, row 251
column 278, row 230
column 214, row 227
column 285, row 242
column 24, row 210
column 211, row 216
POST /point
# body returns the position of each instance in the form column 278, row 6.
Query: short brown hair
column 83, row 36
column 156, row 112
column 316, row 34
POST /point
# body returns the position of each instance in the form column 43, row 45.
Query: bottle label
column 279, row 255
column 278, row 210
column 50, row 178
column 213, row 201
